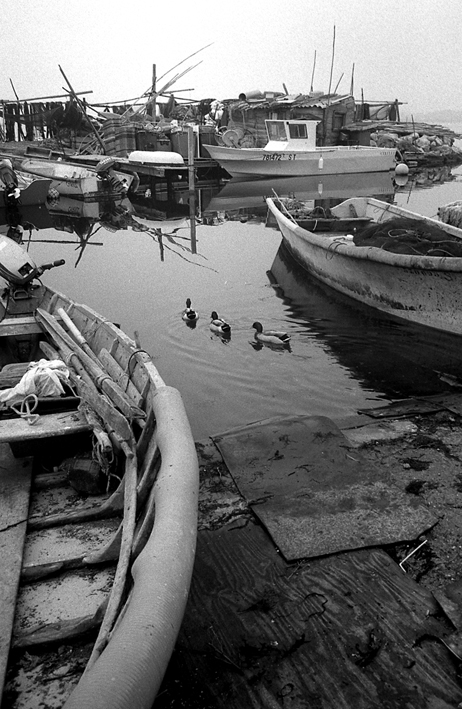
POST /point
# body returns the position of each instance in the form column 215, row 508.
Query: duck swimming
column 219, row 325
column 189, row 315
column 273, row 337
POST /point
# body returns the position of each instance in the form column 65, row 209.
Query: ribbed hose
column 130, row 670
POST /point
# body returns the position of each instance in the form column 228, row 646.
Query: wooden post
column 20, row 133
column 312, row 73
column 153, row 92
column 72, row 92
column 192, row 188
column 352, row 85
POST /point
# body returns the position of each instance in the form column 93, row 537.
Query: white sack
column 42, row 378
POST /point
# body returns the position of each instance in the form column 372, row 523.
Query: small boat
column 401, row 263
column 78, row 181
column 291, row 150
column 99, row 494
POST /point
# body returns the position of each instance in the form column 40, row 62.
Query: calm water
column 343, row 357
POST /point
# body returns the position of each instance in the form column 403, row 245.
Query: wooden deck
column 349, row 631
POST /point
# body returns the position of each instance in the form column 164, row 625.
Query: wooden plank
column 60, row 424
column 350, row 631
column 15, row 485
column 19, row 326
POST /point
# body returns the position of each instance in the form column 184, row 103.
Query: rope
column 26, row 407
column 135, row 352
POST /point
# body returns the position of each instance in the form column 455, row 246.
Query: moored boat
column 99, row 481
column 291, row 150
column 77, row 181
column 404, row 264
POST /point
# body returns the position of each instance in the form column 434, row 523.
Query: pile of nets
column 409, row 236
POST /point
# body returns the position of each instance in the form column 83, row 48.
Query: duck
column 219, row 325
column 273, row 337
column 189, row 315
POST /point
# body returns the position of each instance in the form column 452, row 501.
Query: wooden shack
column 250, row 112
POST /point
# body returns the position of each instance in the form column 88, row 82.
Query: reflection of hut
column 248, row 116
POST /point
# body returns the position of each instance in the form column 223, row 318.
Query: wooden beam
column 44, row 98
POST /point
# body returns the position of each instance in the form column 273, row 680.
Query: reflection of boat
column 33, row 217
column 109, row 546
column 252, row 193
column 80, row 216
column 291, row 150
column 395, row 357
column 76, row 180
column 422, row 288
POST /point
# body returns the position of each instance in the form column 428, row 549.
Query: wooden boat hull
column 74, row 547
column 335, row 160
column 420, row 289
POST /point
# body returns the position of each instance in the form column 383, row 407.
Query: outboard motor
column 18, row 269
column 106, row 172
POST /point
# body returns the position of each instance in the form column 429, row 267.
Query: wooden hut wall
column 331, row 119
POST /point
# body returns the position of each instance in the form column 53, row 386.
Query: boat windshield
column 276, row 130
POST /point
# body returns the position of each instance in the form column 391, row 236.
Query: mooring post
column 192, row 187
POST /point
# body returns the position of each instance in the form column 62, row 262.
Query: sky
column 405, row 49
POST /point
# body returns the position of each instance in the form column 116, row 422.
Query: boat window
column 276, row 130
column 298, row 130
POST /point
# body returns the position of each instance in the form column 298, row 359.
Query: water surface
column 343, row 357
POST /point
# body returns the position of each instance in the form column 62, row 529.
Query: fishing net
column 409, row 236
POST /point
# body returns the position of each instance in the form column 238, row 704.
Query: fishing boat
column 78, row 181
column 401, row 263
column 99, row 488
column 291, row 150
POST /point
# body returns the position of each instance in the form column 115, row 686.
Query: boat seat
column 26, row 439
column 25, row 325
column 11, row 374
column 62, row 423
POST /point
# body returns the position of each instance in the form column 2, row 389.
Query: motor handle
column 47, row 266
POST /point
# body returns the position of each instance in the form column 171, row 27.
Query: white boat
column 77, row 180
column 424, row 289
column 291, row 150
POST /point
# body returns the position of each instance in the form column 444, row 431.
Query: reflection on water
column 139, row 266
column 386, row 355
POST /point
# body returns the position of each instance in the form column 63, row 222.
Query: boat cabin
column 290, row 135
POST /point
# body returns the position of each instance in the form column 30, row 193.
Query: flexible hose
column 130, row 670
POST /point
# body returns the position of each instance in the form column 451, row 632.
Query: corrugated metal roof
column 292, row 100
